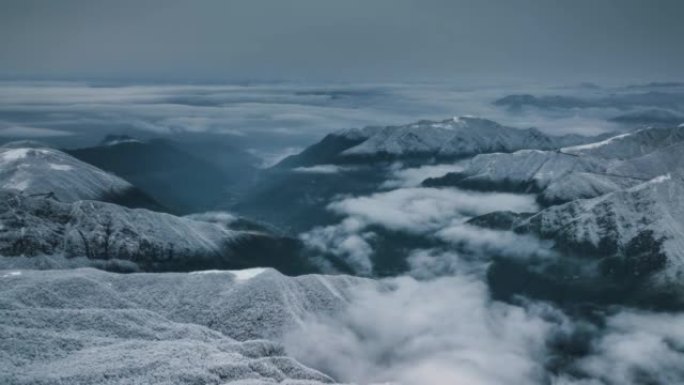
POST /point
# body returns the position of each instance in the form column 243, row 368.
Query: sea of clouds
column 271, row 119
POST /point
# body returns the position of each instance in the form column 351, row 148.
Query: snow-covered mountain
column 578, row 172
column 638, row 232
column 555, row 176
column 36, row 170
column 452, row 138
column 90, row 327
column 109, row 236
column 458, row 137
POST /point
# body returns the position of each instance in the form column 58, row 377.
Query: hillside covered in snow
column 578, row 172
column 37, row 231
column 637, row 232
column 33, row 169
column 448, row 139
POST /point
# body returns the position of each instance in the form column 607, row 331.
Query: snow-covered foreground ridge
column 85, row 326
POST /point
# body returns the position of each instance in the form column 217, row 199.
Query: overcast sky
column 349, row 40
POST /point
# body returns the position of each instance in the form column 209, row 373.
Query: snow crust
column 85, row 326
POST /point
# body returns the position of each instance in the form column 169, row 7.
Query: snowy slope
column 643, row 226
column 451, row 138
column 669, row 158
column 36, row 170
column 456, row 137
column 630, row 145
column 113, row 237
column 555, row 176
column 579, row 172
column 532, row 169
column 90, row 327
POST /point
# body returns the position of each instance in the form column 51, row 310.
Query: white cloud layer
column 440, row 332
column 414, row 176
column 322, row 169
column 636, row 347
column 347, row 240
column 483, row 241
column 420, row 210
column 436, row 213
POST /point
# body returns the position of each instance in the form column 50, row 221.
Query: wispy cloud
column 322, row 169
column 420, row 210
column 635, row 347
column 427, row 212
column 31, row 132
column 414, row 176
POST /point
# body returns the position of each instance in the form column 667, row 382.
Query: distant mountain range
column 656, row 98
column 448, row 139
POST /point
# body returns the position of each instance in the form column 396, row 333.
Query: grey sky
column 357, row 40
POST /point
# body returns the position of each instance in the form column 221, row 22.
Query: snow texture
column 105, row 232
column 85, row 326
column 642, row 225
column 458, row 137
column 579, row 172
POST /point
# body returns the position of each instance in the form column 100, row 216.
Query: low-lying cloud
column 347, row 240
column 448, row 330
column 322, row 169
column 420, row 210
column 484, row 241
column 635, row 347
column 414, row 176
column 434, row 213
column 444, row 331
